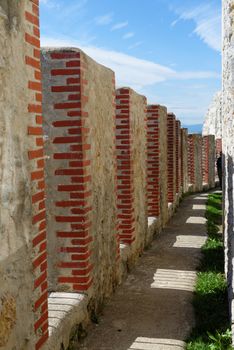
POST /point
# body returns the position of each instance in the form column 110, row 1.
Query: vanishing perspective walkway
column 152, row 310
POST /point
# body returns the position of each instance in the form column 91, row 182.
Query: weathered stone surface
column 139, row 142
column 228, row 144
column 157, row 165
column 184, row 159
column 163, row 164
column 213, row 118
column 98, row 132
column 7, row 318
column 195, row 162
column 208, row 161
column 16, row 277
column 171, row 158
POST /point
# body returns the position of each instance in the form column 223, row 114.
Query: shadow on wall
column 228, row 191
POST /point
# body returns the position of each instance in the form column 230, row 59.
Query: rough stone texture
column 212, row 161
column 163, row 164
column 195, row 162
column 228, row 145
column 213, row 118
column 208, row 161
column 157, row 162
column 17, row 122
column 171, row 158
column 184, row 159
column 139, row 142
column 178, row 159
column 103, row 172
column 97, row 112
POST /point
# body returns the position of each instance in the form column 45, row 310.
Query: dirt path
column 152, row 310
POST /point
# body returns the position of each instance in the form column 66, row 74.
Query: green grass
column 210, row 302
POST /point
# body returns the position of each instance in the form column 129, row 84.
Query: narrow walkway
column 152, row 310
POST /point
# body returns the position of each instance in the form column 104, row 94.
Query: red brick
column 73, row 279
column 32, row 40
column 42, row 340
column 33, row 108
column 30, row 61
column 41, row 300
column 42, row 278
column 41, row 320
column 67, row 105
column 39, row 217
column 36, row 154
column 72, row 88
column 35, row 130
column 39, row 260
column 39, row 238
column 56, row 72
column 64, row 55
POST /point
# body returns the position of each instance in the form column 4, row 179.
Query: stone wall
column 178, row 157
column 171, row 158
column 80, row 172
column 195, row 162
column 23, row 291
column 132, row 168
column 208, row 159
column 163, row 164
column 184, row 160
column 157, row 167
column 91, row 213
column 228, row 145
column 213, row 119
column 139, row 158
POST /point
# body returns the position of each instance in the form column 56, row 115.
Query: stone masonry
column 184, row 160
column 213, row 118
column 195, row 162
column 208, row 159
column 157, row 167
column 23, row 281
column 84, row 189
column 228, row 145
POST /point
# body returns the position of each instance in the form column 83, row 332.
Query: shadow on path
column 152, row 310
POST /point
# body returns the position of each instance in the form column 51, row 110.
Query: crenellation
column 89, row 174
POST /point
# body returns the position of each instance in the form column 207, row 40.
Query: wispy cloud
column 130, row 70
column 49, row 4
column 128, row 35
column 105, row 19
column 133, row 46
column 207, row 19
column 119, row 25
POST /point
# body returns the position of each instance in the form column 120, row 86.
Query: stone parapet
column 157, row 164
column 171, row 158
column 184, row 160
column 195, row 162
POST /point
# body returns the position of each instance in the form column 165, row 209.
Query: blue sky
column 168, row 50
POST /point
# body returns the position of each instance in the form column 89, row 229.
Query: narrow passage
column 152, row 310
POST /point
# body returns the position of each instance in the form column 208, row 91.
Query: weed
column 210, row 298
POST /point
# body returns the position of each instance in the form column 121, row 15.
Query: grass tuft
column 210, row 298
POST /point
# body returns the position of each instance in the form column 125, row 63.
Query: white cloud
column 105, row 19
column 119, row 26
column 139, row 43
column 128, row 35
column 132, row 71
column 50, row 4
column 207, row 19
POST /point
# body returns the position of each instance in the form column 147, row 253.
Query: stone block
column 79, row 124
column 23, row 265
